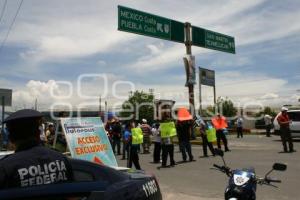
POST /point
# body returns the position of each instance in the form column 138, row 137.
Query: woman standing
column 157, row 145
column 133, row 155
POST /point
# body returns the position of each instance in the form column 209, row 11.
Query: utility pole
column 3, row 109
column 100, row 105
column 36, row 104
column 188, row 45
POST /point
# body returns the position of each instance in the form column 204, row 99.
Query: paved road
column 195, row 180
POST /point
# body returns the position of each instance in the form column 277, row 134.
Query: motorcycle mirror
column 279, row 167
column 219, row 152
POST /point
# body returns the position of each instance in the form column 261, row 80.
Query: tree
column 260, row 122
column 208, row 112
column 139, row 105
column 267, row 111
column 225, row 106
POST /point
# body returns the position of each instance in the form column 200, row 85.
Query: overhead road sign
column 134, row 21
column 212, row 40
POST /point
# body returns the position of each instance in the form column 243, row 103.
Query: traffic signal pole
column 188, row 45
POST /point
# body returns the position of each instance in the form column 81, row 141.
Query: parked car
column 294, row 116
column 93, row 181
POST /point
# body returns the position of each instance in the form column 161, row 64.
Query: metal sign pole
column 56, row 133
column 3, row 110
column 215, row 100
column 200, row 92
column 188, row 44
column 200, row 99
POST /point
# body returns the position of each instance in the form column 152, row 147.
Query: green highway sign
column 135, row 21
column 212, row 40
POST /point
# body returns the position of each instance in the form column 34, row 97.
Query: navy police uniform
column 33, row 164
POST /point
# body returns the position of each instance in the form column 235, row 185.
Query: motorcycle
column 242, row 182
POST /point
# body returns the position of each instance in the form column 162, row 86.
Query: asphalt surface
column 195, row 180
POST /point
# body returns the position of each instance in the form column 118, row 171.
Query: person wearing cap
column 146, row 133
column 285, row 134
column 268, row 123
column 31, row 164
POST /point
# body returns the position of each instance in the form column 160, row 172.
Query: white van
column 294, row 116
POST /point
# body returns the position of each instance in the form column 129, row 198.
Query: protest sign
column 87, row 140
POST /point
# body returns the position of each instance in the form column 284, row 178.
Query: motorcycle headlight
column 240, row 180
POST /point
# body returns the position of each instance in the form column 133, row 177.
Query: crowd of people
column 121, row 133
column 164, row 147
column 30, row 139
column 124, row 143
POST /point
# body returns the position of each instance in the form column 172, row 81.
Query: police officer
column 31, row 164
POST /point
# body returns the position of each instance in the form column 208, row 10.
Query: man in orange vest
column 220, row 124
column 285, row 134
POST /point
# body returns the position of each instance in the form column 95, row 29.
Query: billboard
column 206, row 76
column 87, row 140
column 6, row 94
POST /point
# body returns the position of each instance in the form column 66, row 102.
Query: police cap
column 23, row 114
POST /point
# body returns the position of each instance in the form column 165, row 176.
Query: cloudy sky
column 63, row 52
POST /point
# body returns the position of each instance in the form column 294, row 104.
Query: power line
column 11, row 25
column 3, row 10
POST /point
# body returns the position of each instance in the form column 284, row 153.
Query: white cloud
column 47, row 31
column 231, row 61
column 155, row 49
column 101, row 63
column 160, row 61
column 241, row 88
column 70, row 35
column 269, row 96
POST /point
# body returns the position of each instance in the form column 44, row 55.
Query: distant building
column 163, row 108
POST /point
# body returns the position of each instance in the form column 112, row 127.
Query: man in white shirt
column 268, row 123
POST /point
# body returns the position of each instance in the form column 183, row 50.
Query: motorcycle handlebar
column 269, row 180
column 217, row 166
column 223, row 169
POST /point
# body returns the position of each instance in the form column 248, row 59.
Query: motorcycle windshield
column 241, row 177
